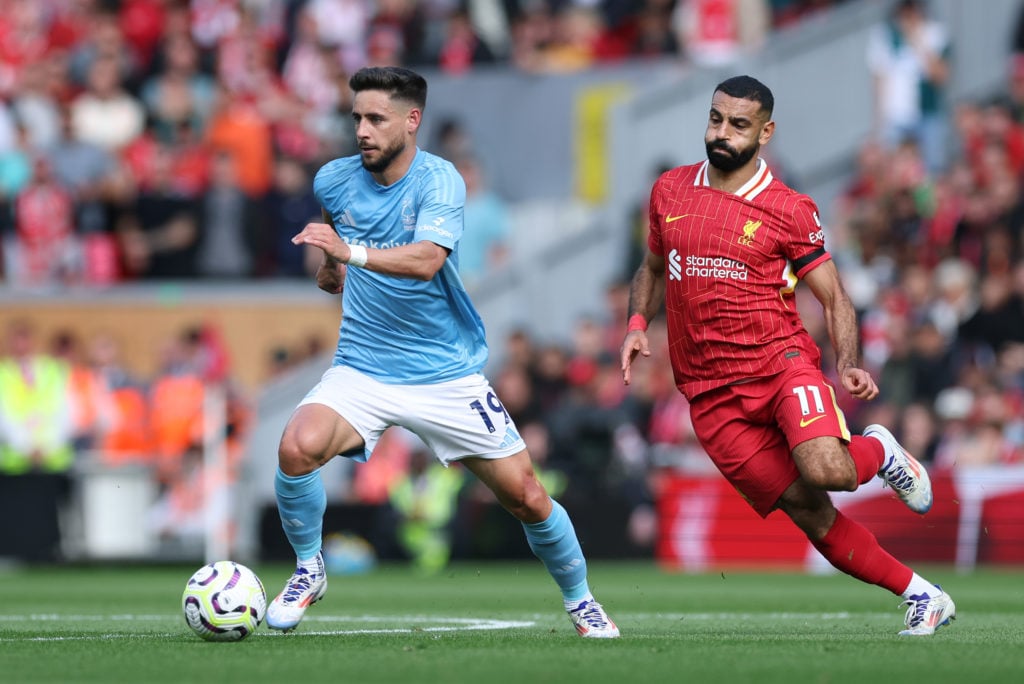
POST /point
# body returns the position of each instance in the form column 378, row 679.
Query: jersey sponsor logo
column 804, row 422
column 749, row 228
column 675, row 269
column 431, row 228
column 816, row 237
column 715, row 267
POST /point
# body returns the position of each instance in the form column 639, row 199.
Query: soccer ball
column 224, row 601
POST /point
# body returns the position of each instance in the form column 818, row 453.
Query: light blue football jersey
column 402, row 330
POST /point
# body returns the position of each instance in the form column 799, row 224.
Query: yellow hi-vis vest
column 37, row 409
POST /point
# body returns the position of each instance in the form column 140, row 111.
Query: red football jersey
column 732, row 262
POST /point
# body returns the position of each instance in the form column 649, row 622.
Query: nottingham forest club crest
column 749, row 228
column 408, row 214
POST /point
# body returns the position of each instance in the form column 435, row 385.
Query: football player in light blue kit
column 410, row 349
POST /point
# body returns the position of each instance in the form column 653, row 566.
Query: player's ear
column 767, row 131
column 412, row 121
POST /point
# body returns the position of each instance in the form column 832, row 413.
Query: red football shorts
column 749, row 429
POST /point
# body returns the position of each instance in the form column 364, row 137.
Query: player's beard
column 387, row 155
column 735, row 159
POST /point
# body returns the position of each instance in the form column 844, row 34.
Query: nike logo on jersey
column 807, row 421
column 670, row 218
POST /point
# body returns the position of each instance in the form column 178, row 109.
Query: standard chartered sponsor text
column 715, row 267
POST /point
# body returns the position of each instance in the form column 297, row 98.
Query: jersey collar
column 751, row 189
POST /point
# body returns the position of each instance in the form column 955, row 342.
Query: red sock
column 868, row 455
column 851, row 547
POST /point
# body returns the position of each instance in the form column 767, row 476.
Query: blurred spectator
column 180, row 93
column 425, row 499
column 908, row 56
column 129, row 437
column 44, row 251
column 15, row 173
column 159, row 232
column 341, row 27
column 649, row 33
column 313, row 73
column 532, row 31
column 395, row 33
column 461, row 48
column 106, row 114
column 486, row 226
column 919, row 431
column 36, row 409
column 290, row 205
column 142, row 25
column 212, row 20
column 372, row 481
column 90, row 172
column 38, row 100
column 101, row 41
column 92, row 404
column 715, row 33
column 451, row 140
column 999, row 319
column 27, row 36
column 178, row 517
column 240, row 128
column 176, row 411
column 230, row 225
column 579, row 41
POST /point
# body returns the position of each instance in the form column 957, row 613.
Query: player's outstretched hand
column 324, row 237
column 635, row 343
column 859, row 383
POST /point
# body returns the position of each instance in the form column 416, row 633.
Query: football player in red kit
column 728, row 243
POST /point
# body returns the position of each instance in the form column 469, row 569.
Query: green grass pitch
column 503, row 622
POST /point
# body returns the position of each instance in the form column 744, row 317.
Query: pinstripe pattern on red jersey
column 729, row 297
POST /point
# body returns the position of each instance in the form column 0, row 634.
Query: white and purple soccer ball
column 224, row 601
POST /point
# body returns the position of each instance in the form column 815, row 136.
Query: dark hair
column 398, row 83
column 749, row 88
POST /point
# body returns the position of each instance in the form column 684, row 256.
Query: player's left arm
column 841, row 323
column 805, row 248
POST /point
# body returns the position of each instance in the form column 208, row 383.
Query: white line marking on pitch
column 430, row 624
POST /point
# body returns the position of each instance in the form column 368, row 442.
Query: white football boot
column 926, row 613
column 303, row 589
column 592, row 622
column 902, row 472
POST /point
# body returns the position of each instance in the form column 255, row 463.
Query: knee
column 831, row 476
column 300, row 452
column 530, row 503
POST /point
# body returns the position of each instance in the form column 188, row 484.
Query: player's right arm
column 330, row 276
column 646, row 295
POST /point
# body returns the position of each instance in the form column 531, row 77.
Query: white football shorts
column 455, row 419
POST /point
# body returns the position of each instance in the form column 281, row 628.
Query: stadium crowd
column 149, row 139
column 154, row 139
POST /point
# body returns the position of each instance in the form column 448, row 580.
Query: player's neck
column 732, row 181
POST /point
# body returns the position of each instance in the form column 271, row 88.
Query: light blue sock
column 554, row 542
column 301, row 502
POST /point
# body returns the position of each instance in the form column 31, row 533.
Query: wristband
column 637, row 322
column 357, row 257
